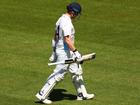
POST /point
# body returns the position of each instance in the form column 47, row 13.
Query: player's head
column 74, row 9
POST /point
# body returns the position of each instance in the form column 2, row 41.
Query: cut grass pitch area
column 109, row 28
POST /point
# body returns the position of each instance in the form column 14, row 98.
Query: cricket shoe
column 86, row 97
column 38, row 96
column 45, row 101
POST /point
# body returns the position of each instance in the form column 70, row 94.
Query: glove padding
column 77, row 54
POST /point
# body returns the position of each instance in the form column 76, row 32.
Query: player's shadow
column 60, row 94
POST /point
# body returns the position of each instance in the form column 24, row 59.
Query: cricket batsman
column 63, row 49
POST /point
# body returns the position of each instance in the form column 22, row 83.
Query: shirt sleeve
column 66, row 27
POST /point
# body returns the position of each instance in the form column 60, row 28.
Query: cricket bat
column 86, row 57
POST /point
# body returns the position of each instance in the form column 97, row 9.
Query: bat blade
column 88, row 57
column 69, row 61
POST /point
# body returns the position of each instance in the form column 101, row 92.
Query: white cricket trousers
column 59, row 73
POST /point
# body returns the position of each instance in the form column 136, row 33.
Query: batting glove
column 77, row 54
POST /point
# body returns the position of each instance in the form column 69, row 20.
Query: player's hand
column 77, row 54
column 53, row 57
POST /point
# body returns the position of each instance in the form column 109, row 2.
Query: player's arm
column 56, row 36
column 54, row 40
column 69, row 42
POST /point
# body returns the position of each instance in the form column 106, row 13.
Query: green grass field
column 111, row 28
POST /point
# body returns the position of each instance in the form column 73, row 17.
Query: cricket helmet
column 75, row 7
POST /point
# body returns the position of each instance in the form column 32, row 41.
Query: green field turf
column 111, row 28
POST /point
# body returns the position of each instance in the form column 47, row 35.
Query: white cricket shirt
column 64, row 27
